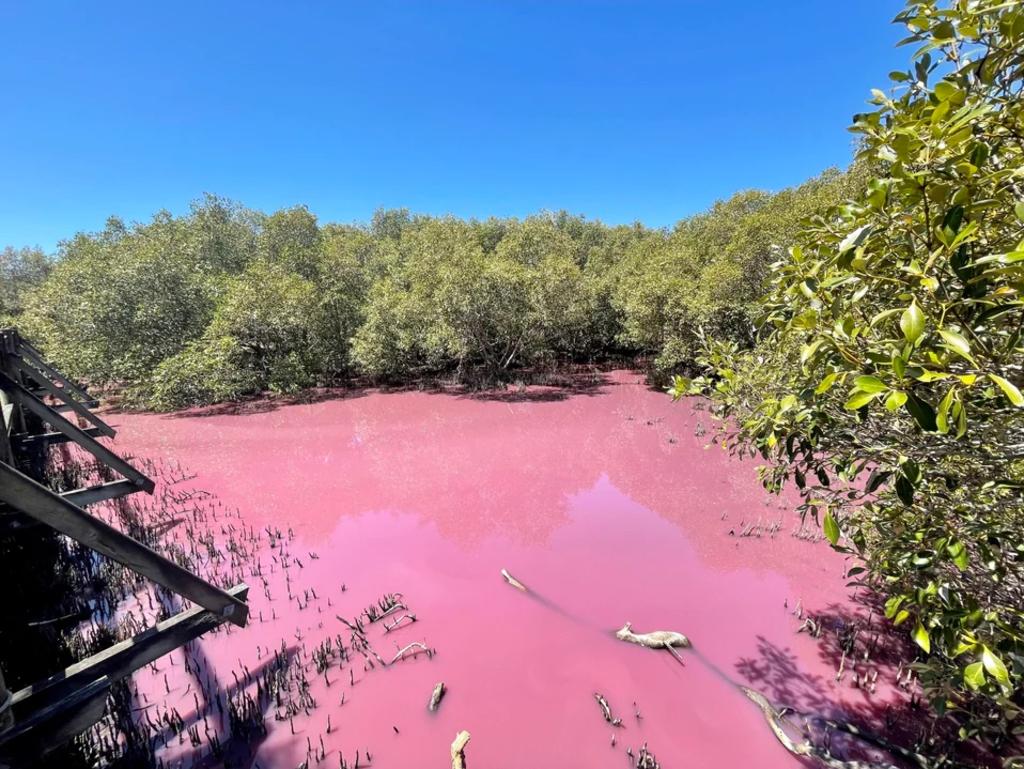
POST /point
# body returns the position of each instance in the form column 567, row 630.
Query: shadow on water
column 874, row 657
column 223, row 741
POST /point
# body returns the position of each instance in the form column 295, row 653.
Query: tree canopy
column 224, row 301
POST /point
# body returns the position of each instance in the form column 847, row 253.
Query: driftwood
column 656, row 639
column 513, row 581
column 459, row 750
column 805, row 749
column 436, row 696
column 418, row 646
column 606, row 710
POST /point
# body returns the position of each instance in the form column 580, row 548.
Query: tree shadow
column 225, row 740
column 880, row 696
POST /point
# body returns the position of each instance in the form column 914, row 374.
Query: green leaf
column 995, row 666
column 855, row 238
column 905, row 490
column 826, row 384
column 921, row 638
column 896, row 399
column 892, row 605
column 912, row 322
column 958, row 552
column 859, row 399
column 922, row 412
column 1009, row 389
column 808, row 352
column 974, row 675
column 957, row 344
column 942, row 417
column 831, row 528
column 870, row 384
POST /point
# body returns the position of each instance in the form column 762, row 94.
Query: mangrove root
column 513, row 581
column 459, row 750
column 435, row 697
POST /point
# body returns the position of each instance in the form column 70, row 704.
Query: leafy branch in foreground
column 887, row 382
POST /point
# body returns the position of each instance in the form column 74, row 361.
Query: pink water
column 606, row 503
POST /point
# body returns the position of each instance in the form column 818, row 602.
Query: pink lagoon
column 608, row 501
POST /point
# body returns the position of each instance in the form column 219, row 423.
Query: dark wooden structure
column 41, row 407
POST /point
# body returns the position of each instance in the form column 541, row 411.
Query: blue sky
column 622, row 111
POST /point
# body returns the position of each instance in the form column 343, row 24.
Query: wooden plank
column 36, row 359
column 31, row 498
column 63, row 409
column 63, row 396
column 73, row 431
column 122, row 659
column 90, row 495
column 50, row 439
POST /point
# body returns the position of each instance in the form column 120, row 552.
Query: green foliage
column 225, row 302
column 118, row 303
column 445, row 302
column 206, row 371
column 887, row 386
column 21, row 269
column 704, row 278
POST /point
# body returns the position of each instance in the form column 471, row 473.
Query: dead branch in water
column 606, row 710
column 398, row 622
column 513, row 581
column 459, row 750
column 436, row 696
column 645, row 759
column 418, row 646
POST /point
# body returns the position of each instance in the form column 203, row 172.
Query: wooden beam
column 24, row 494
column 64, row 396
column 36, row 359
column 50, row 439
column 63, row 409
column 79, row 436
column 122, row 659
column 90, row 495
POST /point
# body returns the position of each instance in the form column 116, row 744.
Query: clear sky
column 620, row 110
